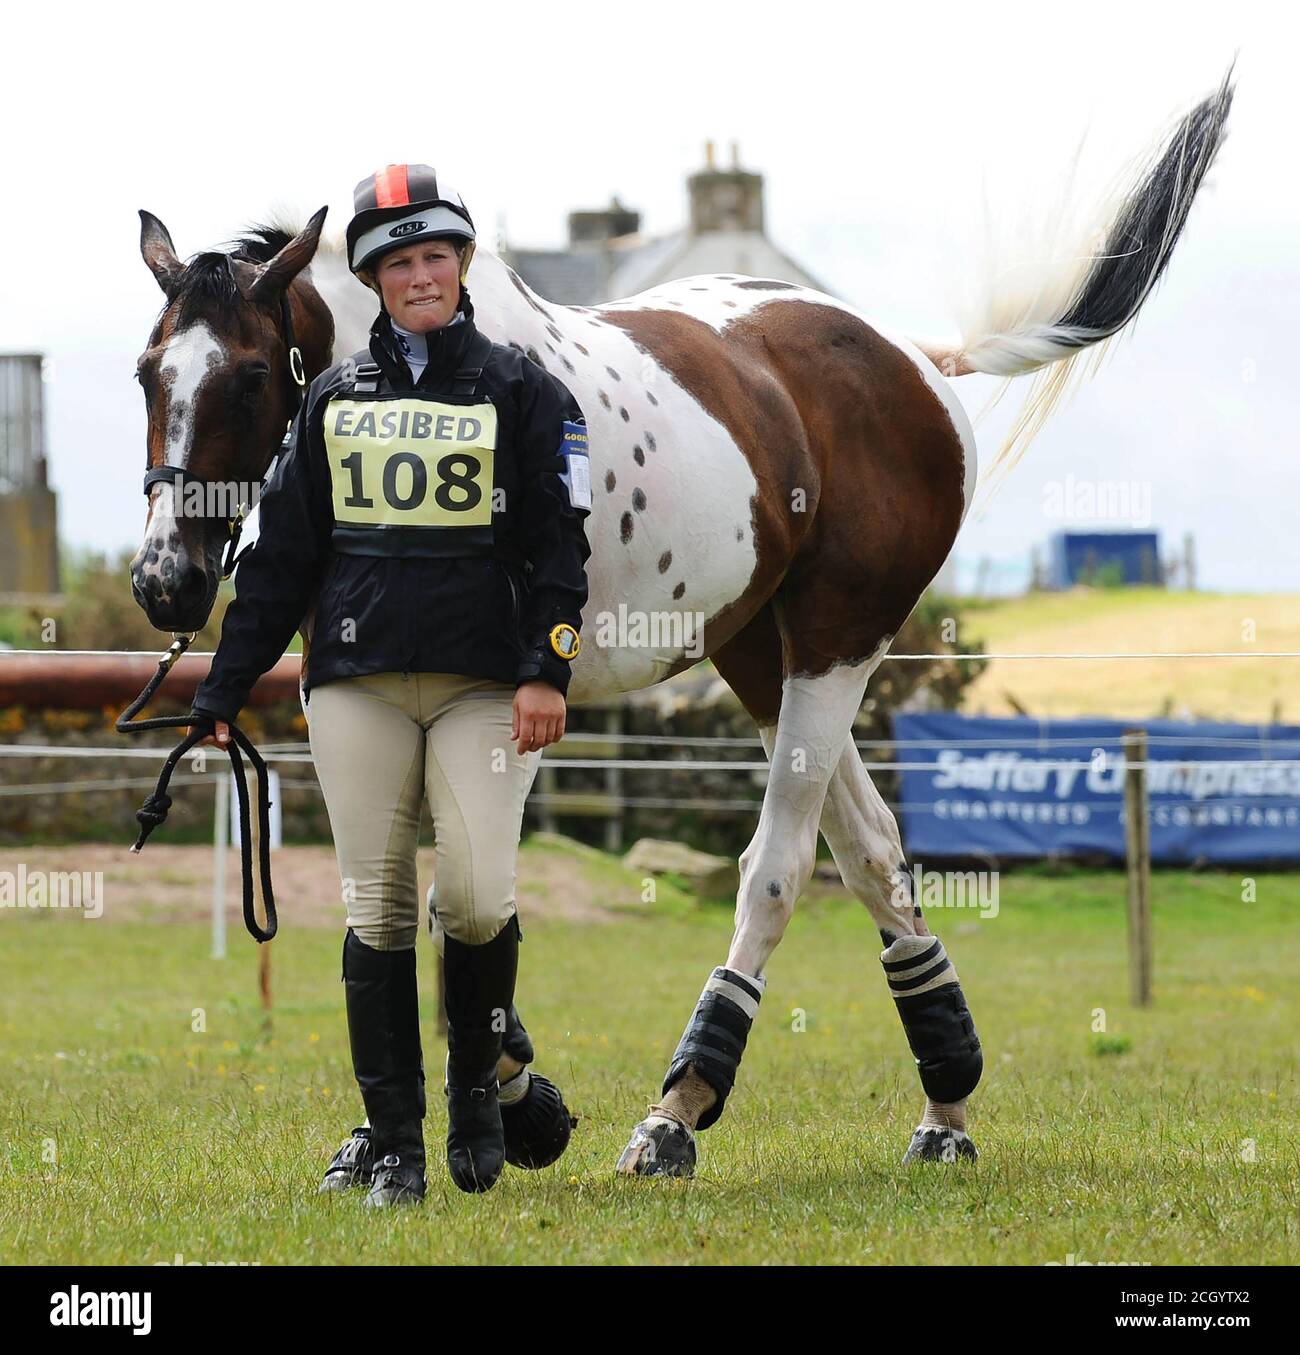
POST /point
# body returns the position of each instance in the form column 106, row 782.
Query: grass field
column 127, row 1137
column 1138, row 620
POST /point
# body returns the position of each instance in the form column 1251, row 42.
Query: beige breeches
column 385, row 743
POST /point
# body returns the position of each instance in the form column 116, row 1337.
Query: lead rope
column 154, row 810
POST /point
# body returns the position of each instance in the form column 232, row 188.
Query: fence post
column 1137, row 845
column 546, row 784
column 614, row 781
column 220, row 829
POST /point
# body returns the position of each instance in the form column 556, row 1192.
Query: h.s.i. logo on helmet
column 408, row 228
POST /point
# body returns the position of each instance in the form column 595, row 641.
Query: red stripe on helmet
column 390, row 187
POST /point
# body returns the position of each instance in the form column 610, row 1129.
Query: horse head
column 221, row 380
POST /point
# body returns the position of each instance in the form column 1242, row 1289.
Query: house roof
column 567, row 277
column 590, row 274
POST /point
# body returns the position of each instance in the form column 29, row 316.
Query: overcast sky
column 880, row 135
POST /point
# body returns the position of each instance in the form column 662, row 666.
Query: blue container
column 1104, row 558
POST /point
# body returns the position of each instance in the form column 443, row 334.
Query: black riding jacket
column 432, row 549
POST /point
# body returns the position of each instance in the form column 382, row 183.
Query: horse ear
column 289, row 262
column 159, row 253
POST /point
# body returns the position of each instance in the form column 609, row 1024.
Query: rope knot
column 150, row 815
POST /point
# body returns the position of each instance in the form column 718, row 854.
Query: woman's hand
column 220, row 736
column 538, row 717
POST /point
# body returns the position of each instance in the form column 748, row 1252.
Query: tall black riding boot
column 480, row 986
column 384, row 1030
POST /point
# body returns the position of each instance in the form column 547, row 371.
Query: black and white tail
column 1044, row 314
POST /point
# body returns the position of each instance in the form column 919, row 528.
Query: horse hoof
column 659, row 1147
column 940, row 1145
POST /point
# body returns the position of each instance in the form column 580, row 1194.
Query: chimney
column 595, row 227
column 725, row 199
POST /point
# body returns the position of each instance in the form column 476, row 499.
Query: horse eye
column 252, row 382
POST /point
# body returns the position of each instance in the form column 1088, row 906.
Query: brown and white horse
column 764, row 460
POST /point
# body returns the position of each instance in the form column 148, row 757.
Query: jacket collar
column 447, row 349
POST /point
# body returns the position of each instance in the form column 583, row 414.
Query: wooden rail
column 84, row 682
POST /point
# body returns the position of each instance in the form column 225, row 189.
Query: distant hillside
column 1134, row 620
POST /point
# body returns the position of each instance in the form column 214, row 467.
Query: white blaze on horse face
column 190, row 356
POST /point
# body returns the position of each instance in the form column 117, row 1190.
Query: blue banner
column 1031, row 788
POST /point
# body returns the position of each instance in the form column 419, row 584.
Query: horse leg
column 816, row 715
column 864, row 840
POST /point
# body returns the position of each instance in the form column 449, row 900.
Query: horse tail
column 1045, row 315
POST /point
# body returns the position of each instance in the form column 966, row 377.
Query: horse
column 764, row 460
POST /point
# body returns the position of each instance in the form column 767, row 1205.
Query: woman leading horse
column 432, row 503
column 769, row 463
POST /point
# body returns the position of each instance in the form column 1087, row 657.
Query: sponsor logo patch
column 577, row 464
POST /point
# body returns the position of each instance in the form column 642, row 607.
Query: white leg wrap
column 514, row 1090
column 939, row 1116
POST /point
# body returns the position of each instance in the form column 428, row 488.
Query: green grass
column 1172, row 1139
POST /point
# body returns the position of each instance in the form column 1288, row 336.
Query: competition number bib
column 411, row 463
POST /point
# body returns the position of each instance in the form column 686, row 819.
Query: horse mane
column 207, row 288
column 261, row 243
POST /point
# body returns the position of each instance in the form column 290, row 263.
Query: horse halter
column 179, row 476
column 154, row 810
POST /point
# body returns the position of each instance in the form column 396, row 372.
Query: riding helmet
column 402, row 203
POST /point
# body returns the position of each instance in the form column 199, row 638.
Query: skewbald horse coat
column 762, row 458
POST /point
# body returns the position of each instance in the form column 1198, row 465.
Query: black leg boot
column 384, row 1030
column 480, row 986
